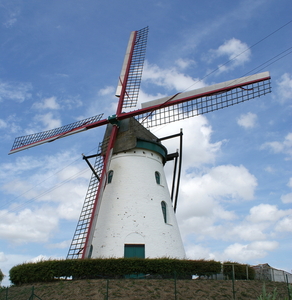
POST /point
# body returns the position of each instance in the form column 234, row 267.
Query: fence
column 26, row 293
column 265, row 272
column 143, row 288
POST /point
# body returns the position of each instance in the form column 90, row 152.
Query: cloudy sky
column 60, row 62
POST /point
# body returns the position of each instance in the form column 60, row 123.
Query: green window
column 163, row 207
column 134, row 251
column 157, row 177
column 110, row 176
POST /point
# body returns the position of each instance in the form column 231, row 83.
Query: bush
column 50, row 270
column 1, row 276
column 240, row 270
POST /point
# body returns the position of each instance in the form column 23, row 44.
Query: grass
column 132, row 289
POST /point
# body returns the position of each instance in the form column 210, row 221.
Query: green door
column 134, row 251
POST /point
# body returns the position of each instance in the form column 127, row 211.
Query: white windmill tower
column 128, row 210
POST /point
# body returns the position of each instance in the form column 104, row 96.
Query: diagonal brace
column 90, row 165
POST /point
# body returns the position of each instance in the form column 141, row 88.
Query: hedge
column 50, row 270
column 240, row 271
column 1, row 276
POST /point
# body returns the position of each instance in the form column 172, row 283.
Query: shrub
column 1, row 276
column 50, row 270
column 241, row 271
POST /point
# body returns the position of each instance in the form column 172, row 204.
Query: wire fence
column 232, row 283
column 146, row 287
column 267, row 273
column 25, row 293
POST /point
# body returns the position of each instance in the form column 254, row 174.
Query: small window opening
column 163, row 207
column 90, row 251
column 110, row 176
column 157, row 177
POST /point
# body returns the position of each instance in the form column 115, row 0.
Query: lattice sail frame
column 31, row 140
column 134, row 75
column 175, row 108
column 77, row 245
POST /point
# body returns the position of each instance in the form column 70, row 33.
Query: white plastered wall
column 130, row 211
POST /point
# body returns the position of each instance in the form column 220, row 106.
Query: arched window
column 157, row 177
column 110, row 176
column 163, row 207
column 90, row 251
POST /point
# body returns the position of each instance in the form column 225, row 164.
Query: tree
column 1, row 276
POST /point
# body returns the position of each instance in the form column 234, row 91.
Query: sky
column 60, row 62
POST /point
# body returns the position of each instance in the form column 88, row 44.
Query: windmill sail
column 127, row 91
column 79, row 238
column 132, row 68
column 32, row 140
column 204, row 100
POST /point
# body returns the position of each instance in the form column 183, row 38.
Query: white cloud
column 184, row 63
column 229, row 180
column 3, row 124
column 39, row 258
column 61, row 245
column 290, row 183
column 266, row 213
column 269, row 169
column 9, row 23
column 280, row 147
column 108, row 90
column 237, row 52
column 198, row 148
column 169, row 78
column 15, row 91
column 48, row 121
column 11, row 16
column 285, row 225
column 52, row 189
column 284, row 90
column 198, row 251
column 247, row 232
column 2, row 257
column 27, row 225
column 287, row 198
column 247, row 120
column 48, row 103
column 9, row 261
column 202, row 198
column 20, row 164
column 243, row 253
column 246, row 252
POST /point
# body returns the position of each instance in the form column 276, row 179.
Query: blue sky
column 60, row 62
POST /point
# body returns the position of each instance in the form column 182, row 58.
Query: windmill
column 128, row 210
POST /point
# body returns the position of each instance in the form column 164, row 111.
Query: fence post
column 6, row 293
column 106, row 295
column 233, row 279
column 289, row 296
column 175, row 285
column 32, row 293
column 246, row 272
